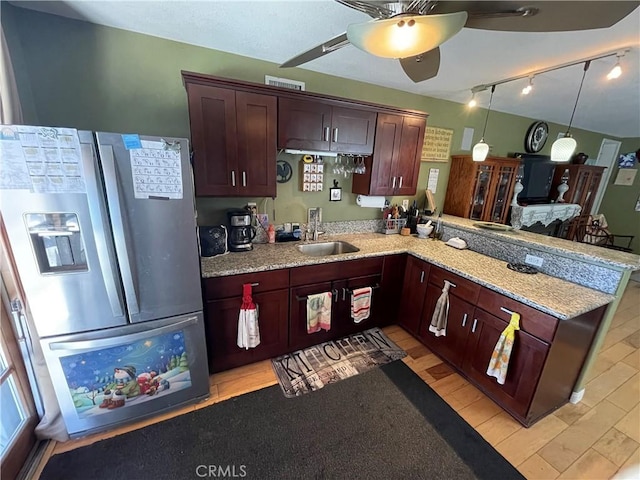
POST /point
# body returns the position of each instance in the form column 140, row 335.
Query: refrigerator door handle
column 107, row 263
column 113, row 197
column 114, row 341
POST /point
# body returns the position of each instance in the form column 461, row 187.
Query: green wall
column 76, row 74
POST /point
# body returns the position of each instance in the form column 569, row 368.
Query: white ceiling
column 278, row 30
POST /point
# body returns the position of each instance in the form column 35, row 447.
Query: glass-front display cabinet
column 481, row 190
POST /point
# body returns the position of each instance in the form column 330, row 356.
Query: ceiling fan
column 412, row 31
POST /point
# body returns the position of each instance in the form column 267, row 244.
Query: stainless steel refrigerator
column 103, row 231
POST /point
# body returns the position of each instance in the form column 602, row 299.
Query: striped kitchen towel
column 361, row 303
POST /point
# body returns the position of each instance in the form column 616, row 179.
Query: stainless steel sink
column 327, row 248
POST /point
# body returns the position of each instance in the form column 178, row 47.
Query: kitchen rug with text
column 312, row 368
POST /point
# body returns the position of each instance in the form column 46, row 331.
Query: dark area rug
column 310, row 369
column 383, row 424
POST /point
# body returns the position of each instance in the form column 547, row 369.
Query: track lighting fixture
column 616, row 71
column 472, row 103
column 481, row 149
column 527, row 90
column 563, row 148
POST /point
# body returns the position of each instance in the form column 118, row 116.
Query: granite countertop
column 558, row 246
column 548, row 294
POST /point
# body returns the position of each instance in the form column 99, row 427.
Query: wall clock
column 536, row 137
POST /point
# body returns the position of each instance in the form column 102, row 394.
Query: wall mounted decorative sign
column 335, row 193
column 437, row 144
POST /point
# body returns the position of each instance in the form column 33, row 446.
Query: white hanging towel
column 438, row 324
column 361, row 303
column 248, row 329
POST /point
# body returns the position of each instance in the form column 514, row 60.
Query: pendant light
column 563, row 148
column 481, row 149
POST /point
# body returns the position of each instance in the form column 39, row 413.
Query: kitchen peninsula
column 559, row 317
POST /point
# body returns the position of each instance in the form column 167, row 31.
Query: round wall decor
column 536, row 137
column 283, row 171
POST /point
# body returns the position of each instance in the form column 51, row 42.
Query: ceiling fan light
column 480, row 151
column 563, row 148
column 393, row 38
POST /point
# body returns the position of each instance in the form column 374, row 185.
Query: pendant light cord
column 584, row 73
column 486, row 119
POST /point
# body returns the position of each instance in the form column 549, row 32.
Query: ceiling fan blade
column 370, row 8
column 546, row 16
column 319, row 51
column 422, row 67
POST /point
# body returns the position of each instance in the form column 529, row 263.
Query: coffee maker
column 241, row 233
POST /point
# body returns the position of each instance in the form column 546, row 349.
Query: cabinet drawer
column 464, row 289
column 231, row 286
column 335, row 271
column 532, row 321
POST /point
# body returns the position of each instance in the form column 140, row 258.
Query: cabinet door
column 591, row 190
column 298, row 336
column 407, row 162
column 525, row 365
column 451, row 347
column 273, row 320
column 390, row 294
column 212, row 115
column 415, row 287
column 387, row 146
column 256, row 117
column 304, row 124
column 222, row 330
column 352, row 130
column 481, row 192
column 344, row 321
column 503, row 189
column 221, row 326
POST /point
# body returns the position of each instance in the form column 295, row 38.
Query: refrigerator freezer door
column 103, row 379
column 151, row 206
column 63, row 250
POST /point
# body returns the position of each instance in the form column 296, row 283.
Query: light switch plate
column 533, row 260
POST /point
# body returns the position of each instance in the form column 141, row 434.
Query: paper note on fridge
column 41, row 159
column 156, row 171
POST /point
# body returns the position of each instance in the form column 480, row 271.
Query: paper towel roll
column 367, row 201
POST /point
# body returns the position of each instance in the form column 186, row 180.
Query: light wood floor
column 593, row 440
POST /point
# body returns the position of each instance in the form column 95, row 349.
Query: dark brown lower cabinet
column 547, row 355
column 389, row 299
column 525, row 365
column 416, row 278
column 341, row 322
column 450, row 347
column 222, row 330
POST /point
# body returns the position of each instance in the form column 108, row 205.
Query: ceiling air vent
column 283, row 83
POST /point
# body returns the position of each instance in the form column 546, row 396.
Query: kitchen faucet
column 315, row 214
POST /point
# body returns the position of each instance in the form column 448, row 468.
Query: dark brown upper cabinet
column 395, row 165
column 234, row 141
column 315, row 125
